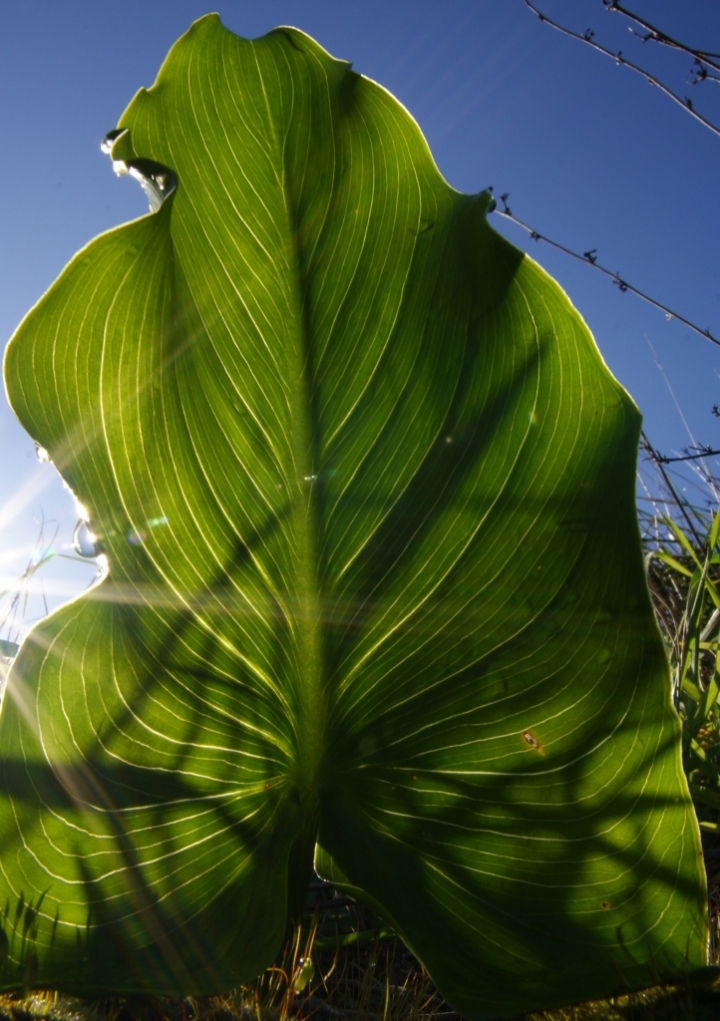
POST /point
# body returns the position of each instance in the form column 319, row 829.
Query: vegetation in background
column 682, row 556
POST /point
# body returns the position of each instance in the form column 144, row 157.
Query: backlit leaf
column 365, row 490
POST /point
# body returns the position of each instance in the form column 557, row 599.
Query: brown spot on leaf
column 530, row 739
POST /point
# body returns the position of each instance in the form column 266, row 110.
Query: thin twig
column 705, row 452
column 588, row 37
column 590, row 259
column 657, row 35
column 649, row 449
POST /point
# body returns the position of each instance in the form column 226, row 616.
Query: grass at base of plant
column 658, row 1004
column 337, row 967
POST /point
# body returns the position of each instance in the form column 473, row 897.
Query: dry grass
column 370, row 978
column 341, row 965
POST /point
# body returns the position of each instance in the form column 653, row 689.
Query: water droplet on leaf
column 156, row 180
column 85, row 542
column 107, row 142
column 103, row 567
column 42, row 454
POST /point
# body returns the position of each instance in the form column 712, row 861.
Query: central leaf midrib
column 311, row 695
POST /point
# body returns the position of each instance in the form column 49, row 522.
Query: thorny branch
column 590, row 258
column 703, row 60
column 588, row 37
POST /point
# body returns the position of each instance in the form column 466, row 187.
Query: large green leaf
column 365, row 488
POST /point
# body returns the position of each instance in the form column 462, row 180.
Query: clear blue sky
column 592, row 156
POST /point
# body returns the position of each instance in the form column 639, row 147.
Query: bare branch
column 659, row 458
column 590, row 259
column 681, row 504
column 656, row 35
column 588, row 38
column 702, row 74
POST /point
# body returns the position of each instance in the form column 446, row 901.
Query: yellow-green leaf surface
column 375, row 590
